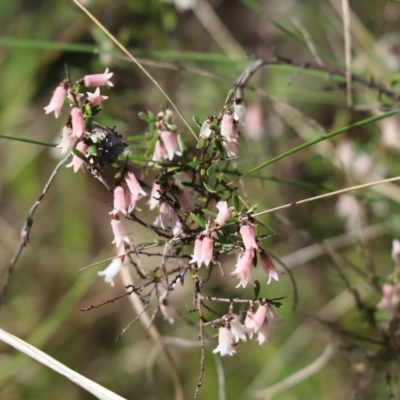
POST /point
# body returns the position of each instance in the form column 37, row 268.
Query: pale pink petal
column 197, row 252
column 170, row 141
column 238, row 330
column 112, row 270
column 269, row 267
column 159, row 152
column 119, row 233
column 78, row 123
column 96, row 99
column 67, row 141
column 248, row 236
column 224, row 212
column 225, row 347
column 239, row 110
column 99, row 79
column 57, row 100
column 119, row 201
column 243, row 268
column 249, row 321
column 259, row 317
column 229, row 128
column 205, row 131
column 77, row 163
column 231, row 149
column 164, row 215
column 207, row 250
column 134, row 186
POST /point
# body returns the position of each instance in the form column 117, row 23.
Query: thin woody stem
column 332, row 71
column 26, row 229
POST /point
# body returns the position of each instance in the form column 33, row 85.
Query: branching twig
column 331, row 71
column 26, row 229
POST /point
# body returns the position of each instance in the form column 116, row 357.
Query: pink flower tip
column 99, row 79
column 57, row 100
column 269, row 267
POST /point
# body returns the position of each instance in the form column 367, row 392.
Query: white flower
column 225, row 345
column 238, row 330
column 112, row 270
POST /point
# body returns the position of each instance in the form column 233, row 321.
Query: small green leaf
column 236, row 203
column 209, row 213
column 143, row 116
column 199, row 220
column 182, row 145
column 229, row 96
column 195, row 163
column 211, row 169
column 209, row 272
column 276, row 304
column 255, row 260
column 218, row 145
column 197, row 121
column 252, row 208
column 172, row 127
column 93, row 150
column 200, row 144
column 257, row 288
column 118, row 175
column 209, row 188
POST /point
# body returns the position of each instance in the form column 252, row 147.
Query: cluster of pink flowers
column 74, row 131
column 204, row 249
column 167, row 144
column 176, row 197
column 259, row 322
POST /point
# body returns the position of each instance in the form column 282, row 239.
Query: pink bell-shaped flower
column 197, row 252
column 119, row 232
column 119, row 201
column 134, row 186
column 207, row 250
column 170, row 141
column 67, row 141
column 224, row 212
column 243, row 268
column 57, row 100
column 114, row 267
column 269, row 267
column 77, row 163
column 225, row 345
column 229, row 128
column 239, row 110
column 78, row 123
column 99, row 79
column 96, row 99
column 248, row 233
column 238, row 330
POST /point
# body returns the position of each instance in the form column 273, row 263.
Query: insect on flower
column 107, row 145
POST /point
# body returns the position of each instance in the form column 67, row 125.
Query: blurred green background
column 197, row 55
